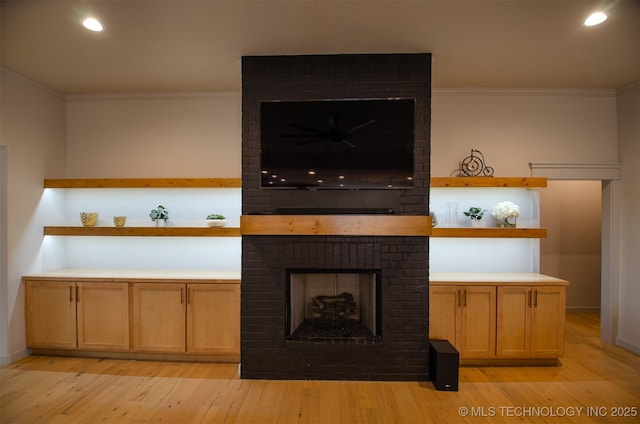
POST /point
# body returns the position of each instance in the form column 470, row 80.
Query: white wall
column 514, row 127
column 199, row 135
column 629, row 151
column 33, row 132
column 146, row 136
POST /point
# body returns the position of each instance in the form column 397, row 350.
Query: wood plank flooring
column 590, row 382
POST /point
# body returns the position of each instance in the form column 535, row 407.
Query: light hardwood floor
column 70, row 390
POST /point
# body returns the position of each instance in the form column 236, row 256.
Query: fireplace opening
column 330, row 305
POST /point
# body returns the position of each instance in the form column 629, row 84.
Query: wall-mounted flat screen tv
column 338, row 144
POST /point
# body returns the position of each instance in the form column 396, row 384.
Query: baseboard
column 631, row 347
column 172, row 357
column 510, row 362
column 16, row 356
column 583, row 310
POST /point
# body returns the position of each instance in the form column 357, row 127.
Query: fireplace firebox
column 333, row 305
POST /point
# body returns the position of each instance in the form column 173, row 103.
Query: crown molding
column 33, row 83
column 189, row 95
column 577, row 171
column 547, row 92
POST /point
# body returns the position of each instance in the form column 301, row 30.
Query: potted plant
column 159, row 215
column 475, row 214
column 216, row 220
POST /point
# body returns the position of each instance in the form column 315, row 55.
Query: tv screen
column 337, row 144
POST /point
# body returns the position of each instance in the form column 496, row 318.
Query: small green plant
column 159, row 213
column 215, row 216
column 475, row 213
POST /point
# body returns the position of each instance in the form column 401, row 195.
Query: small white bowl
column 216, row 222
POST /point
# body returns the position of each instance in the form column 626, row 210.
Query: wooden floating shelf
column 490, row 232
column 144, row 183
column 339, row 225
column 143, row 231
column 488, row 182
column 237, row 182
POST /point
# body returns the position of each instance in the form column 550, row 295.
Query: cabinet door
column 213, row 318
column 51, row 314
column 444, row 314
column 478, row 322
column 103, row 316
column 159, row 317
column 547, row 321
column 514, row 321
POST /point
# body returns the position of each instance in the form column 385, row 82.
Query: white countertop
column 158, row 274
column 494, row 277
column 185, row 274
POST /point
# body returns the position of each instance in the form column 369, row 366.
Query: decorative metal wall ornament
column 474, row 165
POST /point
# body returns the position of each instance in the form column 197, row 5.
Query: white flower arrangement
column 505, row 213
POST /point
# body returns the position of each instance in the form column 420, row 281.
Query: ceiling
column 181, row 45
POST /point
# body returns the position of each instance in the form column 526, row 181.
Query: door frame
column 610, row 175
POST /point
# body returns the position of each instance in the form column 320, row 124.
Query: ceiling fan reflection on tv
column 331, row 135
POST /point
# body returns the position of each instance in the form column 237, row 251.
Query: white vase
column 509, row 222
column 160, row 222
column 216, row 222
column 477, row 223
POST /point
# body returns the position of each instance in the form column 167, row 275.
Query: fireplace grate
column 340, row 328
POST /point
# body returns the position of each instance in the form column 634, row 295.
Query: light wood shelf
column 237, row 182
column 490, row 232
column 142, row 231
column 488, row 182
column 143, row 183
column 341, row 225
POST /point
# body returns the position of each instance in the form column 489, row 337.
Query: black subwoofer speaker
column 444, row 361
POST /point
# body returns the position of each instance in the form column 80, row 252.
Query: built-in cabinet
column 466, row 316
column 530, row 321
column 486, row 296
column 153, row 316
column 77, row 315
column 498, row 315
column 159, row 317
column 169, row 290
column 191, row 318
column 51, row 314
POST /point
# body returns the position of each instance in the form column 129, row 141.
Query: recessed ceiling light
column 595, row 19
column 92, row 24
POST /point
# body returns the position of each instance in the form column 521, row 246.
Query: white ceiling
column 180, row 45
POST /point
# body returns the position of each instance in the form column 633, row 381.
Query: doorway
column 4, row 323
column 571, row 211
column 608, row 175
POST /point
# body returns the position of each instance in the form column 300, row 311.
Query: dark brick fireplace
column 397, row 349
